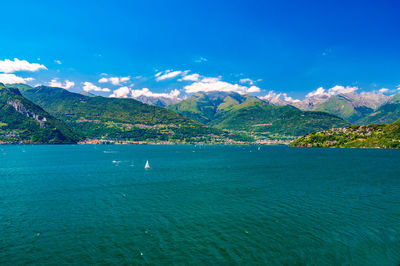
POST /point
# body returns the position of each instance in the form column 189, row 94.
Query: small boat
column 147, row 166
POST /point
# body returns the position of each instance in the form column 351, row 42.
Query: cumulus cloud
column 246, row 81
column 66, row 85
column 215, row 84
column 58, row 62
column 169, row 74
column 340, row 89
column 12, row 79
column 332, row 91
column 271, row 96
column 274, row 97
column 253, row 89
column 206, row 84
column 318, row 92
column 87, row 86
column 122, row 92
column 126, row 92
column 147, row 93
column 8, row 66
column 114, row 80
column 383, row 90
column 191, row 77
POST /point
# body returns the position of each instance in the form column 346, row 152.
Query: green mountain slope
column 118, row 119
column 343, row 107
column 387, row 113
column 371, row 136
column 23, row 121
column 247, row 113
column 206, row 107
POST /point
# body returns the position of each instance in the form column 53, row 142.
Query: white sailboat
column 147, row 166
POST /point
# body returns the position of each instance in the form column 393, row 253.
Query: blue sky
column 286, row 46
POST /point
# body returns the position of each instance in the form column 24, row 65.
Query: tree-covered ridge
column 71, row 106
column 122, row 119
column 371, row 136
column 250, row 114
column 23, row 121
column 206, row 107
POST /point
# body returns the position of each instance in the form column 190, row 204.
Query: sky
column 175, row 48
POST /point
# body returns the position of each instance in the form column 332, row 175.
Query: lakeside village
column 12, row 137
column 224, row 142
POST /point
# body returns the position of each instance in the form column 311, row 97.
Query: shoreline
column 192, row 144
column 149, row 143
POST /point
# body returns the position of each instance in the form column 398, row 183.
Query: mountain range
column 357, row 108
column 212, row 117
column 96, row 117
column 157, row 101
column 233, row 111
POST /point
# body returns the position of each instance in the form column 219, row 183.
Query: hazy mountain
column 158, row 101
column 85, row 93
column 345, row 108
column 386, row 113
column 352, row 107
column 365, row 99
column 22, row 120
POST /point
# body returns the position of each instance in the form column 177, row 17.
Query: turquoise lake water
column 96, row 204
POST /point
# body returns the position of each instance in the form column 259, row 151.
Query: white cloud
column 58, row 62
column 169, row 74
column 383, row 90
column 332, row 91
column 191, row 77
column 270, row 96
column 66, row 85
column 210, row 79
column 8, row 66
column 201, row 60
column 87, row 86
column 340, row 89
column 287, row 98
column 254, row 89
column 318, row 92
column 147, row 93
column 126, row 92
column 274, row 97
column 246, row 81
column 12, row 79
column 114, row 80
column 122, row 92
column 215, row 84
